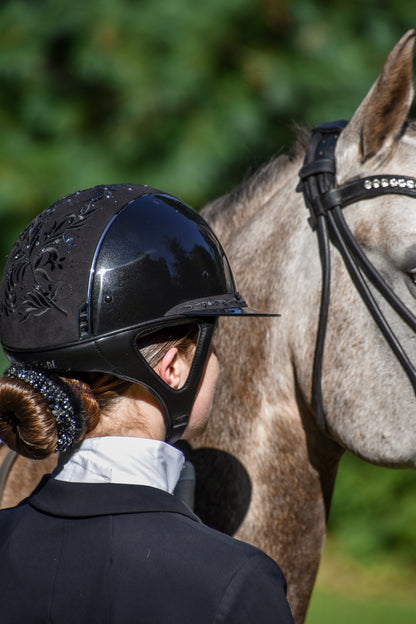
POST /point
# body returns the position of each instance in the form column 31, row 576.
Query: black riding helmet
column 102, row 268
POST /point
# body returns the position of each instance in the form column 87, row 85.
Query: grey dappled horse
column 267, row 464
column 264, row 414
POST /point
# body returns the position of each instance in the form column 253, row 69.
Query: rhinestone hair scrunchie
column 61, row 400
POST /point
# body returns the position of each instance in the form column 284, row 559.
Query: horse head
column 368, row 377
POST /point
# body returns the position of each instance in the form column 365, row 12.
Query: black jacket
column 107, row 553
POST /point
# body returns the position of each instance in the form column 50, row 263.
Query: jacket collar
column 82, row 500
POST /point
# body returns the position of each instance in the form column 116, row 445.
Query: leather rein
column 5, row 467
column 325, row 201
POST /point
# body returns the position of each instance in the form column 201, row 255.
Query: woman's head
column 93, row 275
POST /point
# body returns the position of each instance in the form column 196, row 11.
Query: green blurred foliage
column 179, row 95
column 327, row 609
column 188, row 97
column 373, row 514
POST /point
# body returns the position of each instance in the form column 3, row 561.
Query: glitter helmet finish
column 103, row 267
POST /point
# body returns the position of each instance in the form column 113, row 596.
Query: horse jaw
column 376, row 125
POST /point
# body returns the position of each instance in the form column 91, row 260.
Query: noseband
column 325, row 201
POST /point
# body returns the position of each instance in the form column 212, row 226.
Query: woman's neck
column 135, row 414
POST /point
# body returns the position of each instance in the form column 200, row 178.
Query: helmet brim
column 235, row 311
column 228, row 304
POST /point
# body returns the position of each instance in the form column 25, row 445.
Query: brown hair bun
column 39, row 412
column 27, row 425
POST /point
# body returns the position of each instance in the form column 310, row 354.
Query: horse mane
column 242, row 202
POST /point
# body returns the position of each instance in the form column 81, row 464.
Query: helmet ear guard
column 176, row 403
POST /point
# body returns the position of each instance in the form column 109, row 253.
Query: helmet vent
column 84, row 321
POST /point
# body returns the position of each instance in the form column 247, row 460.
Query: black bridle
column 325, row 201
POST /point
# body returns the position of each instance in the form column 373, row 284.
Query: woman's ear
column 173, row 369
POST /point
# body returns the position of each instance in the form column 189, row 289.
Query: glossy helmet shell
column 105, row 266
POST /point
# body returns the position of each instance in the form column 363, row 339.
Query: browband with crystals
column 61, row 400
column 364, row 188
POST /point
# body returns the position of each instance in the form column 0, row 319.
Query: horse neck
column 267, row 235
column 232, row 211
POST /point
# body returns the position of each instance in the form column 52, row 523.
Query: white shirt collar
column 136, row 461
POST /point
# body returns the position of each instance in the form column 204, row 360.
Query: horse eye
column 412, row 274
